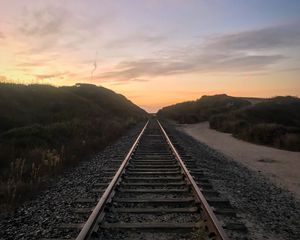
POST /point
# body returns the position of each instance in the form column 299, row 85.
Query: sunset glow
column 155, row 52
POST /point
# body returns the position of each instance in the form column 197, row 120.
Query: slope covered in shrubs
column 44, row 129
column 275, row 122
column 202, row 109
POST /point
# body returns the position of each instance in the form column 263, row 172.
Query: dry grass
column 25, row 177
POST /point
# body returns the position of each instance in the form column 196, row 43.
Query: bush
column 47, row 129
column 289, row 141
column 274, row 123
column 266, row 133
column 202, row 109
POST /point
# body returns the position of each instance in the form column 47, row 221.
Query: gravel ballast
column 43, row 216
column 269, row 212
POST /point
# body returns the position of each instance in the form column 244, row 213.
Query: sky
column 155, row 52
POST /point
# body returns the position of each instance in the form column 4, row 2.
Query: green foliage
column 48, row 128
column 202, row 109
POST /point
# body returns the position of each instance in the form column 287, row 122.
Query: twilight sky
column 155, row 52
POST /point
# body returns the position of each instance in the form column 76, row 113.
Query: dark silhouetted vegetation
column 273, row 122
column 202, row 109
column 44, row 129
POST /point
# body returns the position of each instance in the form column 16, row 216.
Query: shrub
column 266, row 133
column 275, row 122
column 289, row 141
column 47, row 129
column 203, row 108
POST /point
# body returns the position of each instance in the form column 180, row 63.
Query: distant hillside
column 23, row 105
column 44, row 129
column 275, row 122
column 202, row 109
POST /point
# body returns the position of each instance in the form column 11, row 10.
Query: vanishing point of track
column 152, row 192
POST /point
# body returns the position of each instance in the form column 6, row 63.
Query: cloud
column 137, row 38
column 30, row 64
column 274, row 37
column 140, row 80
column 121, row 82
column 42, row 28
column 47, row 21
column 247, row 51
column 49, row 76
column 60, row 28
column 2, row 35
column 159, row 67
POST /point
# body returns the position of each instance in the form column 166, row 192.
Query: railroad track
column 151, row 194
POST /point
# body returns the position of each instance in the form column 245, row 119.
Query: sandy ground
column 282, row 167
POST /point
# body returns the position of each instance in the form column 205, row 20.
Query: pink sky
column 154, row 52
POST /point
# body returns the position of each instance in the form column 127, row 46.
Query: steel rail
column 212, row 222
column 92, row 221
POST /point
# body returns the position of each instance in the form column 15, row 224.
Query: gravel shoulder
column 269, row 211
column 42, row 216
column 282, row 167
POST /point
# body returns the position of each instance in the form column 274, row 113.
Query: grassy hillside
column 44, row 129
column 202, row 109
column 275, row 122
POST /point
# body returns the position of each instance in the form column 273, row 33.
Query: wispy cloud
column 47, row 21
column 2, row 35
column 50, row 76
column 30, row 64
column 42, row 28
column 120, row 82
column 159, row 67
column 55, row 26
column 247, row 51
column 36, row 63
column 138, row 38
column 281, row 36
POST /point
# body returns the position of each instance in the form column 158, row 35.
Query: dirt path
column 282, row 167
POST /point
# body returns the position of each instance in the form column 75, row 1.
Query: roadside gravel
column 43, row 216
column 268, row 211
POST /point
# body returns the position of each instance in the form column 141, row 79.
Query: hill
column 23, row 105
column 202, row 109
column 44, row 129
column 275, row 122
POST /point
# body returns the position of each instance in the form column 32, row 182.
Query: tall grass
column 25, row 176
